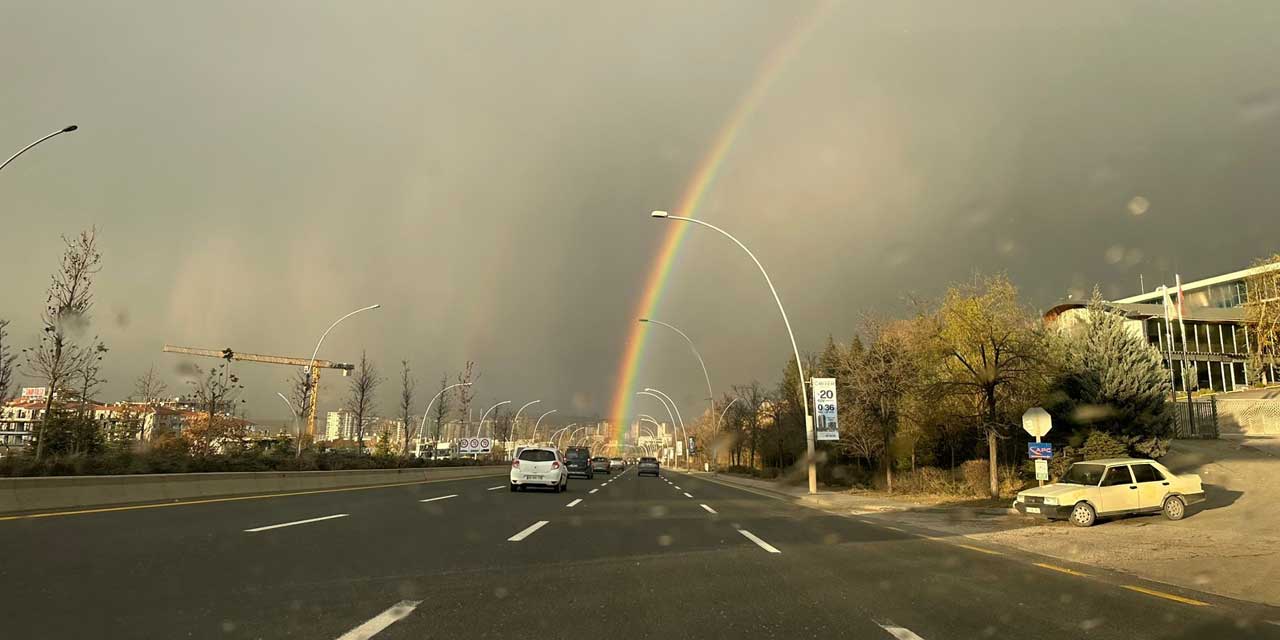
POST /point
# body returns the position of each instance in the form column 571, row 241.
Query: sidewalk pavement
column 1229, row 545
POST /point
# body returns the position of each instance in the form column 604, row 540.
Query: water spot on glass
column 1114, row 254
column 1133, row 256
column 1259, row 106
column 664, row 540
column 228, row 626
column 1091, row 624
column 1006, row 246
column 658, row 510
column 831, row 538
column 1065, row 598
column 121, row 317
column 885, row 585
column 575, row 521
column 1138, row 205
column 500, row 593
column 989, row 632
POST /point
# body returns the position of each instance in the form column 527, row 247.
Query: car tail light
column 555, row 465
column 515, row 464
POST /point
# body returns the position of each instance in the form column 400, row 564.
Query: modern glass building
column 1218, row 339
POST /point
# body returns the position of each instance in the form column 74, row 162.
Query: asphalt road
column 623, row 556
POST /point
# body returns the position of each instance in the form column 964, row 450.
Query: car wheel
column 1083, row 515
column 1174, row 508
column 513, row 487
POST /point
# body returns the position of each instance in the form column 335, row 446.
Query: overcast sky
column 484, row 170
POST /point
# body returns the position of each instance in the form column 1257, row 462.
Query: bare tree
column 300, row 401
column 57, row 356
column 466, row 393
column 149, row 389
column 1262, row 314
column 442, row 404
column 217, row 391
column 87, row 377
column 364, row 386
column 7, row 357
column 407, row 386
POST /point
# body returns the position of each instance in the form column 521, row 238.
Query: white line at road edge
column 593, row 491
column 290, row 524
column 709, row 509
column 686, row 494
column 528, row 532
column 574, row 503
column 761, row 543
column 901, row 633
column 495, row 488
column 452, row 495
column 381, row 621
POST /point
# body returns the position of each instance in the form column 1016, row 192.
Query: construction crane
column 230, row 354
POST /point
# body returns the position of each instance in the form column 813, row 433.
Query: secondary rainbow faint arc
column 703, row 178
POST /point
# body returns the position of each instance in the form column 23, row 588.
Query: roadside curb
column 823, row 500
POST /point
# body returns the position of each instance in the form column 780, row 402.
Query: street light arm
column 326, row 333
column 726, row 410
column 711, row 396
column 535, row 425
column 422, row 429
column 480, row 427
column 67, row 129
column 515, row 422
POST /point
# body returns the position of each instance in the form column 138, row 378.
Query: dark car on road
column 647, row 465
column 601, row 464
column 578, row 462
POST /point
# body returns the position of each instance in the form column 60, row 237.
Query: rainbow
column 695, row 191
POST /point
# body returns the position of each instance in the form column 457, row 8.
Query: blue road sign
column 1040, row 450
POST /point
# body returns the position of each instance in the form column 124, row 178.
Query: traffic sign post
column 1037, row 422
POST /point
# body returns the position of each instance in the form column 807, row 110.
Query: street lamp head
column 70, row 128
column 659, row 214
column 375, row 306
column 644, row 319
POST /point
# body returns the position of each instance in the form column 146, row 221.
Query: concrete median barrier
column 19, row 495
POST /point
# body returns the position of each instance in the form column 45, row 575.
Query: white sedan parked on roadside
column 539, row 467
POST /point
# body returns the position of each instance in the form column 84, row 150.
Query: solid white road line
column 501, row 486
column 574, row 503
column 709, row 509
column 593, row 490
column 761, row 543
column 290, row 524
column 381, row 621
column 528, row 532
column 452, row 495
column 901, row 633
column 686, row 494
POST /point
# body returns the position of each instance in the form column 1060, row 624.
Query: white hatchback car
column 539, row 467
column 1112, row 487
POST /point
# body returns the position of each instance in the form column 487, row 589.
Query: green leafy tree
column 1114, row 381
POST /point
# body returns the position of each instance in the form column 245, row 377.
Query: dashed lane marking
column 452, row 495
column 501, row 486
column 374, row 625
column 709, row 509
column 593, row 490
column 760, row 543
column 528, row 531
column 901, row 633
column 296, row 522
column 686, row 494
column 574, row 503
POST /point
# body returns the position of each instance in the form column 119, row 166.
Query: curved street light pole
column 480, row 427
column 804, row 400
column 534, row 437
column 726, row 410
column 688, row 464
column 557, row 434
column 311, row 368
column 422, row 429
column 295, row 421
column 515, row 422
column 672, row 415
column 711, row 396
column 66, row 129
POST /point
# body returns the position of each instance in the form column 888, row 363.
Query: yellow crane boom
column 230, row 354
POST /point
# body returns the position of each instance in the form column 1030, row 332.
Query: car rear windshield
column 1086, row 474
column 537, row 455
column 648, row 460
column 574, row 454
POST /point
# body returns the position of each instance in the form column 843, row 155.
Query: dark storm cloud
column 484, row 171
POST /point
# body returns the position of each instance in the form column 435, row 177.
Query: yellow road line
column 184, row 503
column 1054, row 567
column 978, row 549
column 1166, row 596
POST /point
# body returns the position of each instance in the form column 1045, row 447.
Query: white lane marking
column 501, row 486
column 452, row 495
column 686, row 494
column 901, row 633
column 290, row 524
column 677, row 487
column 381, row 621
column 593, row 491
column 893, row 528
column 761, row 543
column 709, row 509
column 529, row 531
column 604, row 484
column 575, row 502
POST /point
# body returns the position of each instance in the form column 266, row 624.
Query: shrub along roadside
column 159, row 461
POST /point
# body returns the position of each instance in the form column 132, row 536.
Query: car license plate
column 540, row 477
column 1033, row 509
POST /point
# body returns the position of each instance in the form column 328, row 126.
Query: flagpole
column 1168, row 342
column 1182, row 327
